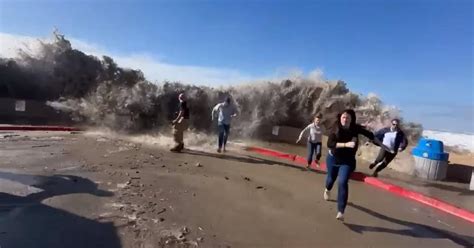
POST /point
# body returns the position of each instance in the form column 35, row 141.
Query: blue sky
column 416, row 55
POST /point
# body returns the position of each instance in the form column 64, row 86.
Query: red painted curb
column 397, row 190
column 291, row 157
column 38, row 128
column 427, row 200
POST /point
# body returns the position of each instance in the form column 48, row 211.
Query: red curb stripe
column 296, row 158
column 397, row 190
column 38, row 128
column 429, row 201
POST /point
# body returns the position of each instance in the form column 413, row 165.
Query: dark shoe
column 371, row 166
column 175, row 149
column 375, row 174
column 218, row 150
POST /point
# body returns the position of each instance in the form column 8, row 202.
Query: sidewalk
column 456, row 194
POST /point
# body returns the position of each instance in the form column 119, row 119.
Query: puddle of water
column 17, row 188
column 116, row 205
column 122, row 185
column 69, row 168
column 15, row 175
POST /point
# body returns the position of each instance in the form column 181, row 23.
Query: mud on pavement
column 68, row 190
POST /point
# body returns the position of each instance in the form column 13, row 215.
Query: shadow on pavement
column 26, row 222
column 244, row 159
column 412, row 229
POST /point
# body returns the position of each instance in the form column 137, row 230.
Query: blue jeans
column 314, row 148
column 344, row 172
column 223, row 134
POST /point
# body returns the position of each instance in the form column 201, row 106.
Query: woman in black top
column 341, row 160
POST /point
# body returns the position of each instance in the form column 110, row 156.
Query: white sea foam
column 464, row 141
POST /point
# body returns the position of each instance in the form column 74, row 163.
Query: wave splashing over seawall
column 98, row 92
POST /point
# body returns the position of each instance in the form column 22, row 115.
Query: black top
column 346, row 155
column 361, row 130
column 183, row 106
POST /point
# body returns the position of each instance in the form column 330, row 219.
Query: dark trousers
column 344, row 172
column 385, row 157
column 312, row 149
column 223, row 134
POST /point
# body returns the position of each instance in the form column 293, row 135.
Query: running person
column 225, row 112
column 314, row 140
column 341, row 161
column 395, row 140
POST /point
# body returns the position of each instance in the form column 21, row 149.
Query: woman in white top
column 314, row 140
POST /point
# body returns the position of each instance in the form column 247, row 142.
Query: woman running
column 341, row 160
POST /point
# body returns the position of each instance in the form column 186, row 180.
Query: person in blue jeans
column 225, row 111
column 314, row 140
column 341, row 161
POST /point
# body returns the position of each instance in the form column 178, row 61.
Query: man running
column 395, row 140
column 225, row 112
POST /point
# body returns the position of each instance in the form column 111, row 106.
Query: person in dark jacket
column 343, row 143
column 394, row 140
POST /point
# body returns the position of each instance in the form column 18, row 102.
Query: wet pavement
column 453, row 192
column 74, row 190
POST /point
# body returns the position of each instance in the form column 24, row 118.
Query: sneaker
column 326, row 194
column 218, row 150
column 308, row 167
column 317, row 163
column 340, row 216
column 375, row 174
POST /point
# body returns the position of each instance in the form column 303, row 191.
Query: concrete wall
column 34, row 112
column 403, row 162
column 459, row 173
column 285, row 134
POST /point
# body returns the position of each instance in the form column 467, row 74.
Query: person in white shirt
column 394, row 140
column 225, row 111
column 314, row 140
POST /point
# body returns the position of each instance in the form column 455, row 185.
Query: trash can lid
column 430, row 149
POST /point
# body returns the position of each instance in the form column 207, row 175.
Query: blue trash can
column 431, row 162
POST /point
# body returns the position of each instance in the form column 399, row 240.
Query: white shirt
column 389, row 140
column 224, row 112
column 315, row 133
